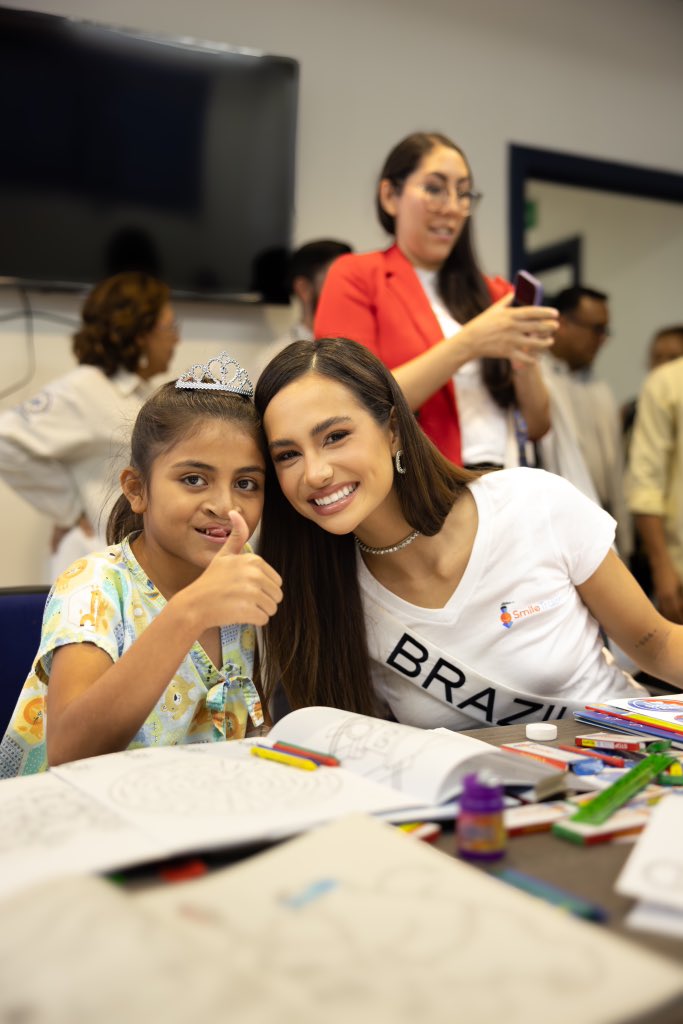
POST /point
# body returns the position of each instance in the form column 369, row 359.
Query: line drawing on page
column 49, row 818
column 207, row 784
column 385, row 755
column 422, row 939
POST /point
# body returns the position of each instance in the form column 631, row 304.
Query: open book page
column 211, row 795
column 118, row 810
column 51, row 831
column 428, row 764
column 359, row 922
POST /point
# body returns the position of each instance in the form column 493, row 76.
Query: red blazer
column 376, row 298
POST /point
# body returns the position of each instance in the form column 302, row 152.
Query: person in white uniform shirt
column 63, row 449
column 417, row 589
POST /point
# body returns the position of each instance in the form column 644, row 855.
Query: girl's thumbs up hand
column 237, row 538
column 237, row 586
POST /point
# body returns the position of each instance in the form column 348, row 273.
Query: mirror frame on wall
column 525, row 163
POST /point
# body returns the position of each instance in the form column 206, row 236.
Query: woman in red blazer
column 425, row 309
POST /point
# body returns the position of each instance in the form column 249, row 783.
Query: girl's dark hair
column 461, row 283
column 316, row 643
column 116, row 313
column 168, row 415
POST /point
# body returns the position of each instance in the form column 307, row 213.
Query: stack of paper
column 356, row 921
column 653, row 873
column 648, row 716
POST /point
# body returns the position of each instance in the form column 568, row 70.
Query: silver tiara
column 221, row 373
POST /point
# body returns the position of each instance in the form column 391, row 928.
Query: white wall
column 597, row 79
column 632, row 250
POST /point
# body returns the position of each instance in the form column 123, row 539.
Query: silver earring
column 143, row 361
column 398, row 462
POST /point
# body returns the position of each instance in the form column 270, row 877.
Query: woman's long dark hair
column 316, row 643
column 461, row 283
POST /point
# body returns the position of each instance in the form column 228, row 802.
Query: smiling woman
column 464, row 358
column 416, row 589
column 151, row 641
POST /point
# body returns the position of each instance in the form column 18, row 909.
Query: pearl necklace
column 388, row 551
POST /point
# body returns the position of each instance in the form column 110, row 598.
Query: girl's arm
column 614, row 598
column 96, row 706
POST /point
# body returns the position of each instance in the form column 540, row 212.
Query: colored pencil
column 616, row 762
column 269, row 754
column 313, row 755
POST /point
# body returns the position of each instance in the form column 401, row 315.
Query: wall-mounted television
column 126, row 151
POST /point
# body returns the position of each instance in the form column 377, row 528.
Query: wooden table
column 586, row 871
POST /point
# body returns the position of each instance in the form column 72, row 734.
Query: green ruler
column 602, row 806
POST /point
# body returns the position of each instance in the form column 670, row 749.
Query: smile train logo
column 505, row 617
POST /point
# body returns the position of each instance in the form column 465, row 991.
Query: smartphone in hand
column 528, row 290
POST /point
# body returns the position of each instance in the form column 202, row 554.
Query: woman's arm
column 620, row 606
column 532, row 398
column 519, row 333
column 348, row 307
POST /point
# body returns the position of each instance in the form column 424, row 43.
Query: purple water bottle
column 480, row 831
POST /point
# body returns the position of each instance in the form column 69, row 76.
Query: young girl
column 418, row 589
column 152, row 642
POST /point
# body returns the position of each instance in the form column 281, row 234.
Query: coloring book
column 353, row 921
column 111, row 812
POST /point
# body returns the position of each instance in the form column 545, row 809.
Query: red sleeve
column 498, row 287
column 346, row 308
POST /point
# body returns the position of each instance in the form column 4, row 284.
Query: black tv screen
column 121, row 151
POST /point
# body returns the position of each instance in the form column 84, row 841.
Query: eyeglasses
column 599, row 330
column 438, row 195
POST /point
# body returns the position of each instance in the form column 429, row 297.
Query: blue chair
column 21, row 618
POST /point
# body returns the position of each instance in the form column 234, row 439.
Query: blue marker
column 588, row 766
column 551, row 893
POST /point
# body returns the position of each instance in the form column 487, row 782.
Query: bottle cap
column 541, row 731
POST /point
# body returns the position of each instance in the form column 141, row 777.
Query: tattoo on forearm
column 655, row 640
column 646, row 638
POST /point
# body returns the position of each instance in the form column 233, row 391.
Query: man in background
column 585, row 443
column 666, row 345
column 655, row 479
column 307, row 271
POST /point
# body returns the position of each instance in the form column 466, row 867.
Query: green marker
column 603, row 806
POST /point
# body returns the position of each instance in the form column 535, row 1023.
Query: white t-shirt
column 483, row 424
column 515, row 616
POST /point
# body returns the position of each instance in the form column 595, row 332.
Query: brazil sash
column 486, row 701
